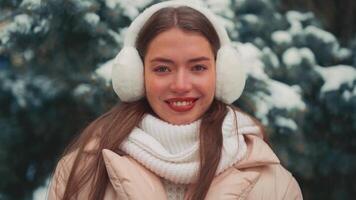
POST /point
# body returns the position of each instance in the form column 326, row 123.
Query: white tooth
column 182, row 103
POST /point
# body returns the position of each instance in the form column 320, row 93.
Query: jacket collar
column 129, row 178
column 258, row 153
column 237, row 182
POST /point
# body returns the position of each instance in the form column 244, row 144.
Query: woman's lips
column 181, row 104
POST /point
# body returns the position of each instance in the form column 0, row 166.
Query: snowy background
column 55, row 59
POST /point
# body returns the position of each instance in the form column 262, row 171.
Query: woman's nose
column 181, row 82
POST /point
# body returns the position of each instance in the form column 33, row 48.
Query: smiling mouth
column 181, row 104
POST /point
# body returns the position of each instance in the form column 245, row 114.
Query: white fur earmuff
column 127, row 70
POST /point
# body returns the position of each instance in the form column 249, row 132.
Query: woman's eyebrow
column 160, row 59
column 202, row 58
column 166, row 60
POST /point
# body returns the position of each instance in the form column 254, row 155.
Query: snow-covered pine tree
column 55, row 59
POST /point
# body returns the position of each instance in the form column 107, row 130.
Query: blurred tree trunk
column 338, row 16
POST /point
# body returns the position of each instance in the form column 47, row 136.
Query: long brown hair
column 110, row 129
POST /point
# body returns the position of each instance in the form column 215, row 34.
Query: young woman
column 175, row 134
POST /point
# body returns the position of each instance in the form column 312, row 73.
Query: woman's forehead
column 175, row 42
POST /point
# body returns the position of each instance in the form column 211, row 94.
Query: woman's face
column 179, row 75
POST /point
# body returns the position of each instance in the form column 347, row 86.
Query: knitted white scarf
column 172, row 151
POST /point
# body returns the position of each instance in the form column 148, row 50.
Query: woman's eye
column 161, row 69
column 199, row 68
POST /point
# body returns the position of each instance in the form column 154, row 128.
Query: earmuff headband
column 127, row 70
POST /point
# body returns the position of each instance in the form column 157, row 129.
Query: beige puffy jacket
column 258, row 176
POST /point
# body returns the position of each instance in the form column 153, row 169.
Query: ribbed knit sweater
column 172, row 151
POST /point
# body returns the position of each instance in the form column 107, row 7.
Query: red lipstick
column 182, row 104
